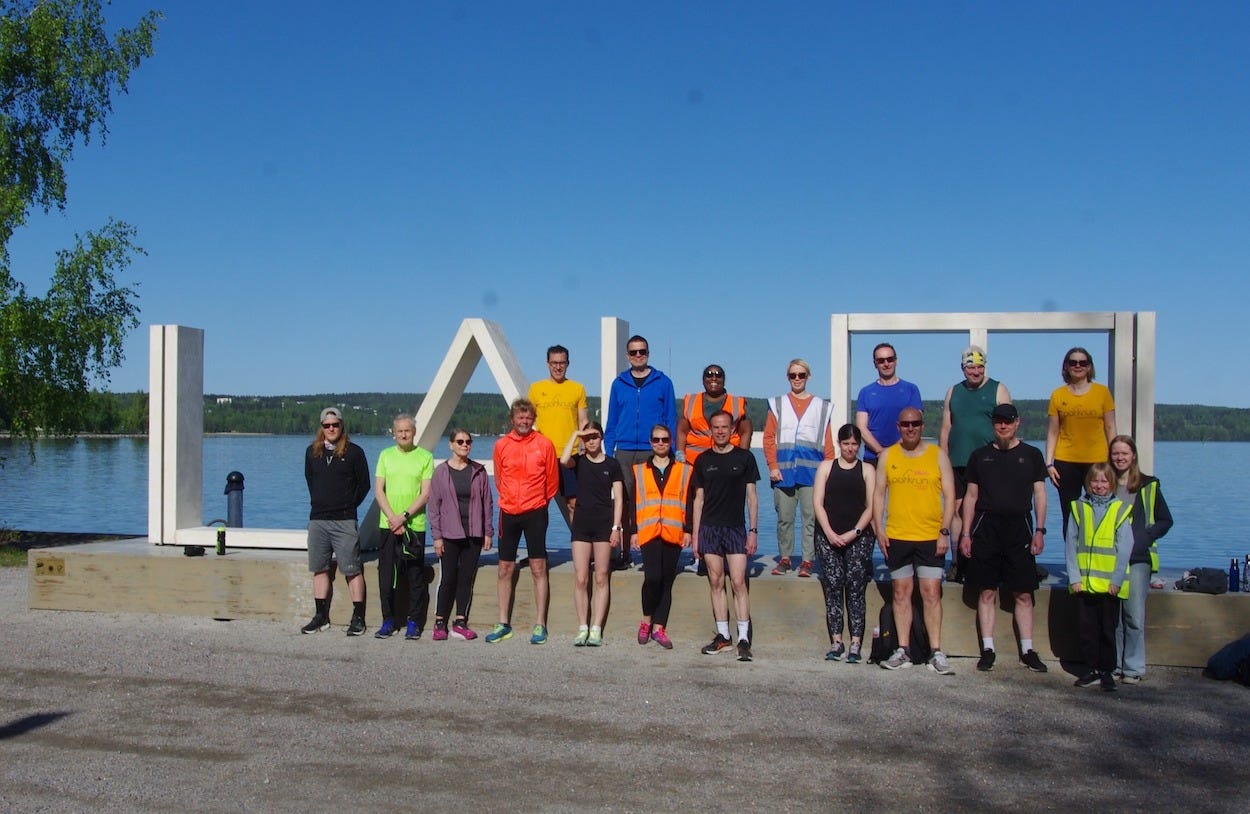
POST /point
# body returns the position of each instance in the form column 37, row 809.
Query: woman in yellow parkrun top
column 1080, row 424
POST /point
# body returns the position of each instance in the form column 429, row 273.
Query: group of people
column 667, row 476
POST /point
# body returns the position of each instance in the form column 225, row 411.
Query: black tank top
column 844, row 496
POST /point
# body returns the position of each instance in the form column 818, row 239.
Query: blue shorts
column 722, row 541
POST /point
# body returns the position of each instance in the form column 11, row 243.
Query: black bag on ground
column 1204, row 581
column 886, row 642
column 1231, row 661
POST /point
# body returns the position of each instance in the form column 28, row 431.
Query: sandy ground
column 119, row 712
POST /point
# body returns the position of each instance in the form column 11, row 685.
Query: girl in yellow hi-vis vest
column 1099, row 543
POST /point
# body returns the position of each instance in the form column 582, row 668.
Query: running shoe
column 460, row 630
column 805, row 569
column 539, row 636
column 661, row 638
column 386, row 631
column 316, row 625
column 644, row 632
column 1128, row 679
column 1090, row 679
column 412, row 633
column 853, row 656
column 898, row 660
column 717, row 645
column 783, row 566
column 744, row 650
column 986, row 662
column 1107, row 682
column 440, row 630
column 939, row 664
column 1033, row 661
column 357, row 627
column 836, row 653
column 583, row 633
column 596, row 637
column 499, row 633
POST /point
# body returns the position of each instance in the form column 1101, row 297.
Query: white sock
column 596, row 629
column 1026, row 645
column 723, row 628
column 987, row 642
column 743, row 627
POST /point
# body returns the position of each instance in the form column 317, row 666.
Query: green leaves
column 59, row 70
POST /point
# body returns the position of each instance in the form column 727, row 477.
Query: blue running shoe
column 499, row 633
column 413, row 632
column 386, row 631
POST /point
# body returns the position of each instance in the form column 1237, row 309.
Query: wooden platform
column 134, row 576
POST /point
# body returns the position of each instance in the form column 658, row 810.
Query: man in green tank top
column 966, row 427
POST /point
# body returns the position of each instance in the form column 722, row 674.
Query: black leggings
column 393, row 565
column 1071, row 485
column 459, row 573
column 1096, row 618
column 845, row 572
column 659, row 570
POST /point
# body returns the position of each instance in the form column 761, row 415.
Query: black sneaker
column 1090, row 679
column 986, row 662
column 1033, row 661
column 717, row 645
column 1107, row 682
column 744, row 650
column 357, row 627
column 318, row 624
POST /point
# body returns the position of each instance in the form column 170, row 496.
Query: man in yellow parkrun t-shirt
column 915, row 495
column 561, row 406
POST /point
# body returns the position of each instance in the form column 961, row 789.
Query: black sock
column 358, row 610
column 323, row 607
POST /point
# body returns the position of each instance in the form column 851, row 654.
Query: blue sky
column 328, row 191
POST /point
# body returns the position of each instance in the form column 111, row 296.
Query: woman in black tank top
column 842, row 498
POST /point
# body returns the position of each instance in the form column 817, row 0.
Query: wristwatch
column 753, row 531
column 618, row 528
column 1040, row 530
column 407, row 515
column 946, row 532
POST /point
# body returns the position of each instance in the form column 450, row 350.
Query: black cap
column 1006, row 412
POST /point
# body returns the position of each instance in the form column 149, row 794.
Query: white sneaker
column 939, row 664
column 898, row 659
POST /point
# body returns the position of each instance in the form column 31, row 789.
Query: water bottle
column 1234, row 577
column 221, row 542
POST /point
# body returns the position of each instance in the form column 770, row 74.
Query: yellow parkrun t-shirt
column 1082, row 434
column 557, row 405
column 913, row 500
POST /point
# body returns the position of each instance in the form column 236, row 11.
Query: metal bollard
column 234, row 500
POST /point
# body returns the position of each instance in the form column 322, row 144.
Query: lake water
column 100, row 485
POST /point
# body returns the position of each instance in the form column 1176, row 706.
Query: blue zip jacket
column 632, row 411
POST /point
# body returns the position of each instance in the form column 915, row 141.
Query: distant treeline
column 487, row 414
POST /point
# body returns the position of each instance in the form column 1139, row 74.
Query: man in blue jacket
column 640, row 398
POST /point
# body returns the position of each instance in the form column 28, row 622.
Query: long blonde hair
column 1133, row 481
column 318, row 446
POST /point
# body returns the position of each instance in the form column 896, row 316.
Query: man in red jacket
column 527, row 476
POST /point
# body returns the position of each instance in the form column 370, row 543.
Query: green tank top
column 970, row 419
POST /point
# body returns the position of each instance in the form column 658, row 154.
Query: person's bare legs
column 931, row 595
column 542, row 590
column 716, row 583
column 581, row 580
column 738, row 581
column 903, row 587
column 503, row 586
column 603, row 585
column 986, row 611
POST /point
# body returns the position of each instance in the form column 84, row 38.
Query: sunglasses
column 1078, row 363
column 910, row 425
column 885, row 360
column 798, row 377
column 464, row 442
column 657, row 440
column 334, row 425
column 713, row 374
column 643, row 352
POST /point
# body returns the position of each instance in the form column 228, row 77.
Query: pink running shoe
column 644, row 632
column 461, row 630
column 661, row 638
column 440, row 630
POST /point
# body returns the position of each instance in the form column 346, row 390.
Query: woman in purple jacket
column 459, row 516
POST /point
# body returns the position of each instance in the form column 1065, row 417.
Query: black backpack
column 886, row 641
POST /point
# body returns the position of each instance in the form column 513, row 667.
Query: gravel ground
column 119, row 712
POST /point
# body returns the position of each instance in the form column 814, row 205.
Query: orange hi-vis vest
column 661, row 514
column 699, row 439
